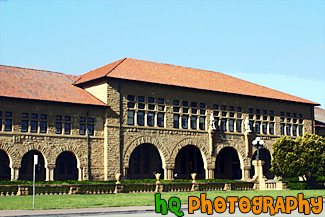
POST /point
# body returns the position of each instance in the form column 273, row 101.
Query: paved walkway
column 81, row 211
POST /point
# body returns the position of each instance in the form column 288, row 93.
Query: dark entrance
column 27, row 163
column 189, row 160
column 228, row 164
column 5, row 171
column 145, row 162
column 66, row 167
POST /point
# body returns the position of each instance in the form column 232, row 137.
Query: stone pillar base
column 209, row 174
column 168, row 174
column 259, row 178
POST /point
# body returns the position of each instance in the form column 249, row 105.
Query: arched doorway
column 189, row 160
column 27, row 163
column 266, row 157
column 228, row 164
column 145, row 162
column 5, row 171
column 66, row 167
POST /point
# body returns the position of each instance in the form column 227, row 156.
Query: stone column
column 247, row 172
column 169, row 173
column 81, row 172
column 50, row 172
column 125, row 172
column 14, row 172
column 209, row 173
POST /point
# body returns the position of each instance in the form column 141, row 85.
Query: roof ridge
column 116, row 66
column 19, row 67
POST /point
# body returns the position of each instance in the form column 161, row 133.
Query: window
column 151, row 119
column 271, row 128
column 151, row 107
column 140, row 118
column 130, row 98
column 215, row 106
column 176, row 109
column 176, row 120
column 59, row 118
column 91, row 129
column 264, row 127
column 34, row 116
column 130, row 117
column 151, row 100
column 176, row 102
column 131, row 104
column 185, row 110
column 194, row 122
column 194, row 111
column 67, row 128
column 258, row 127
column 185, row 121
column 202, row 123
column 185, row 103
column 43, row 116
column 141, row 106
column 223, row 107
column 251, row 110
column 288, row 129
column 224, row 124
column 294, row 130
column 231, row 125
column 8, row 125
column 238, row 126
column 193, row 104
column 251, row 126
column 58, row 126
column 82, row 129
column 24, row 115
column 160, row 120
column 24, row 126
column 161, row 101
column 231, row 108
column 43, row 127
column 300, row 130
column 202, row 105
column 238, row 109
column 258, row 111
column 141, row 98
column 202, row 111
column 216, row 122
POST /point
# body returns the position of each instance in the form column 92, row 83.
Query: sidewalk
column 81, row 211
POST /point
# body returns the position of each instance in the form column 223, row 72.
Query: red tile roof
column 42, row 85
column 166, row 74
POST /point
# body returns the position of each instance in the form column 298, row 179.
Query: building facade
column 139, row 118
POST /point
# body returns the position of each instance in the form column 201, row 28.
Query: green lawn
column 85, row 201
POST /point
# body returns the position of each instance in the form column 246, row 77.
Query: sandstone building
column 139, row 118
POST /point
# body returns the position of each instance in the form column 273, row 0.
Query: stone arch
column 240, row 152
column 81, row 162
column 163, row 151
column 229, row 170
column 5, row 172
column 66, row 166
column 36, row 147
column 27, row 166
column 11, row 154
column 207, row 159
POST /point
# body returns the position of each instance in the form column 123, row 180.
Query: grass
column 110, row 200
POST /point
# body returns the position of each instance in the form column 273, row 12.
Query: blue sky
column 278, row 44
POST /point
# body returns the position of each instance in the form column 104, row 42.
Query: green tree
column 304, row 156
